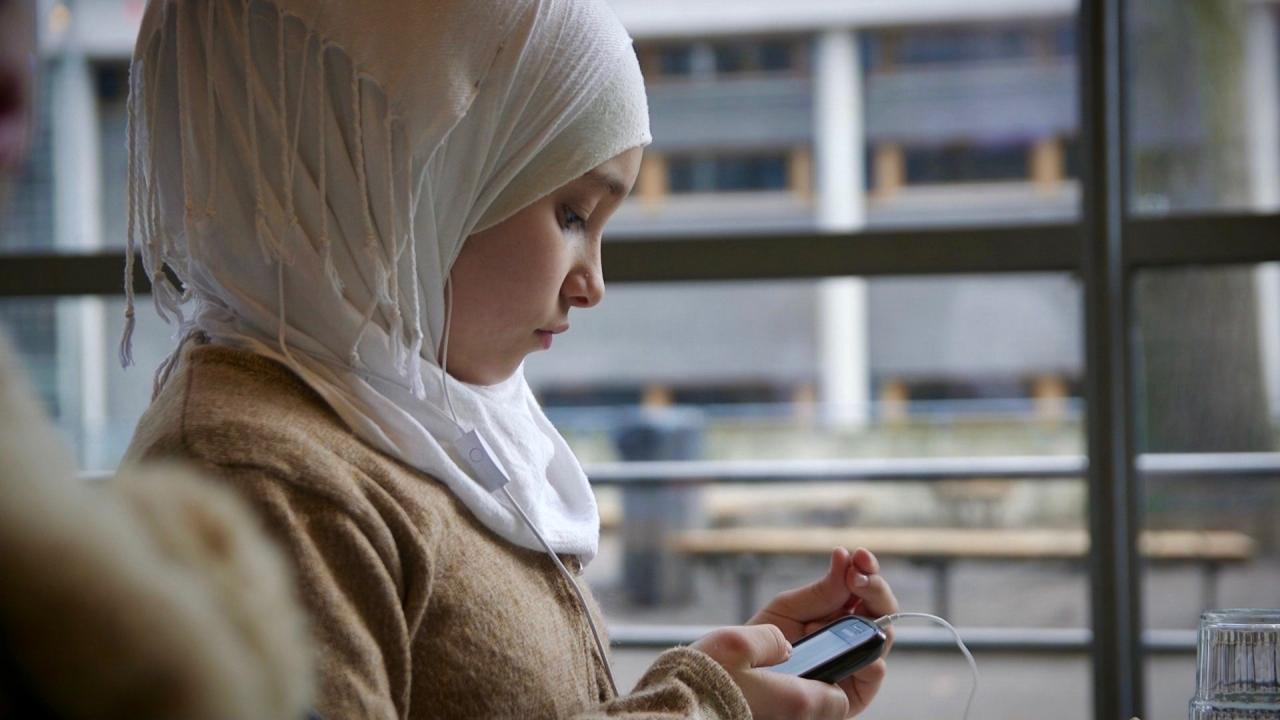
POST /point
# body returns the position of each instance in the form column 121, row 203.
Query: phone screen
column 819, row 648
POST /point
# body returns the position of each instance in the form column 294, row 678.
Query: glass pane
column 966, row 163
column 675, row 60
column 934, row 685
column 111, row 83
column 1207, row 353
column 775, row 56
column 735, row 57
column 26, row 201
column 755, row 172
column 981, row 131
column 955, row 122
column 71, row 349
column 43, row 206
column 893, row 371
column 727, row 173
column 890, row 370
column 1203, row 108
column 970, row 122
column 953, row 44
column 33, row 332
column 752, row 56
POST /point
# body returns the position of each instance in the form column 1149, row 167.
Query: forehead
column 604, row 179
column 616, row 175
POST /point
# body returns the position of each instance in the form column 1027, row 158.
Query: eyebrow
column 606, row 180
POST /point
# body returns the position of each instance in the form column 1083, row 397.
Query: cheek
column 520, row 280
column 498, row 284
column 547, row 267
column 535, row 267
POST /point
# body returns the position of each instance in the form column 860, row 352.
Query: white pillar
column 841, row 207
column 77, row 228
column 1263, row 132
column 838, row 132
column 1263, row 116
column 1267, row 280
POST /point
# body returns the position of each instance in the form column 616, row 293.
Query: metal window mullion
column 1068, row 641
column 1213, row 239
column 1002, row 249
column 867, row 253
column 95, row 272
column 1113, row 516
column 1149, row 242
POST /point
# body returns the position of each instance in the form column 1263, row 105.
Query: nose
column 584, row 287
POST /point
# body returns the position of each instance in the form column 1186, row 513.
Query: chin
column 485, row 376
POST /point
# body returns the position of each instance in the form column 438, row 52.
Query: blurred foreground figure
column 153, row 595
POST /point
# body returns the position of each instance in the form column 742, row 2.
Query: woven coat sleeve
column 347, row 576
column 681, row 683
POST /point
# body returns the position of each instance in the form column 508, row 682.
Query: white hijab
column 309, row 170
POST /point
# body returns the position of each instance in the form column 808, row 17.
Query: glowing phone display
column 836, row 651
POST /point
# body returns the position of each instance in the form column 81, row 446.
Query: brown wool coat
column 418, row 611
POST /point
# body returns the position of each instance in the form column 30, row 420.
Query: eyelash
column 572, row 218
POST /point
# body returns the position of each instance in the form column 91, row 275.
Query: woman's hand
column 745, row 651
column 853, row 585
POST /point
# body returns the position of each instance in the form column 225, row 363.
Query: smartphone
column 836, row 651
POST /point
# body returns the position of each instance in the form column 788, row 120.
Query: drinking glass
column 1236, row 666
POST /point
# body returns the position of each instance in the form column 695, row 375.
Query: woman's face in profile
column 514, row 283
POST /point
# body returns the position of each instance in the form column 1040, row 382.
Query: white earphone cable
column 888, row 620
column 595, row 631
column 582, row 600
column 444, row 351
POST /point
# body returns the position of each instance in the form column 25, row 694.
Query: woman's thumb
column 768, row 645
column 746, row 646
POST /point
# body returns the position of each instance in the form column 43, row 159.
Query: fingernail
column 860, row 580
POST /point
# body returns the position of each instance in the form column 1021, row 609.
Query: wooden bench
column 726, row 505
column 747, row 550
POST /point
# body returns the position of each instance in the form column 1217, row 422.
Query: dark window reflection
column 966, row 162
column 727, row 173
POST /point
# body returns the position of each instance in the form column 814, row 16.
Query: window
column 1071, row 147
column 759, row 56
column 69, row 348
column 956, row 45
column 966, row 162
column 959, row 44
column 1203, row 82
column 950, row 320
column 32, row 329
column 728, row 173
column 720, row 59
column 26, row 219
column 946, row 107
column 111, row 82
column 754, row 372
column 675, row 60
column 1208, row 388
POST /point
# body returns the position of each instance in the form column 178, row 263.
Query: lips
column 545, row 334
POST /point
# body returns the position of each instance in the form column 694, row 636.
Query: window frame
column 1104, row 248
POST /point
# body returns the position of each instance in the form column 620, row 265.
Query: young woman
column 375, row 211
